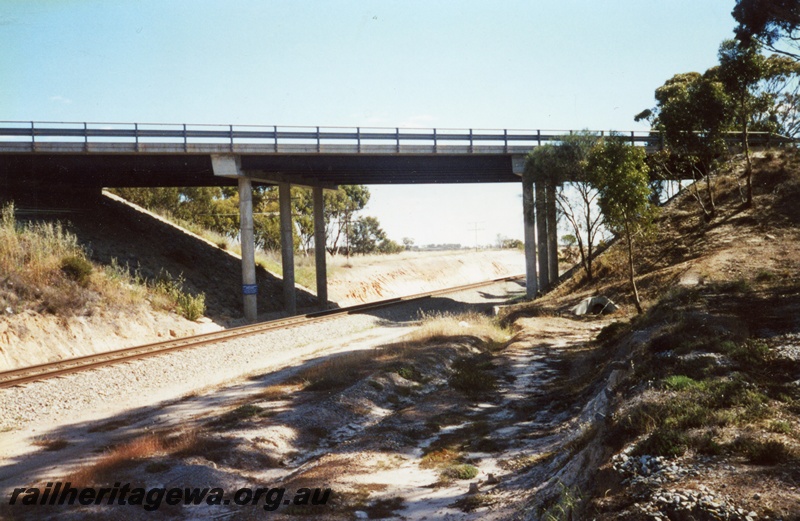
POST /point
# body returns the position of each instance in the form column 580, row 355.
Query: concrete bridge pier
column 247, row 240
column 552, row 233
column 541, row 235
column 287, row 248
column 319, row 247
column 229, row 165
column 546, row 242
column 529, row 219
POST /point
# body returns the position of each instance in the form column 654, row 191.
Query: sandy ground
column 360, row 442
column 381, row 277
column 30, row 338
column 89, row 431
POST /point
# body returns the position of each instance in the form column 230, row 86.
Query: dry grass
column 130, row 453
column 449, row 464
column 46, row 269
column 438, row 326
column 34, row 252
column 339, row 371
column 279, row 392
column 51, row 444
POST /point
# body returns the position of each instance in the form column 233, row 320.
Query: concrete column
column 287, row 248
column 552, row 233
column 529, row 219
column 319, row 247
column 249, row 287
column 541, row 235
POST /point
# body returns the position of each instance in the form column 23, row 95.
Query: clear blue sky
column 546, row 64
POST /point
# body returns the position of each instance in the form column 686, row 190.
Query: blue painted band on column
column 249, row 289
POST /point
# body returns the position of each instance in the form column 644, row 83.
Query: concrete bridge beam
column 287, row 248
column 529, row 219
column 319, row 247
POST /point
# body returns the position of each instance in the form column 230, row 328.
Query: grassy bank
column 44, row 268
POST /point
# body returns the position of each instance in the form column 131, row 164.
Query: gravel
column 145, row 382
column 664, row 500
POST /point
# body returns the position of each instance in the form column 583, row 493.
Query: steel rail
column 62, row 367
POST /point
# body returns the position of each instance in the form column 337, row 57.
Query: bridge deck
column 101, row 154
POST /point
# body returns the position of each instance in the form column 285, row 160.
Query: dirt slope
column 705, row 422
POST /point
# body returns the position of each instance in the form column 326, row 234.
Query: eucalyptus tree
column 693, row 113
column 577, row 196
column 754, row 82
column 620, row 174
column 565, row 164
column 340, row 208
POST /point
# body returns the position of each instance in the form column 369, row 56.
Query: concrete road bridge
column 88, row 156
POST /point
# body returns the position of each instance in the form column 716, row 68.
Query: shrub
column 187, row 305
column 77, row 268
column 758, row 452
column 664, row 441
column 471, row 376
column 751, row 352
column 679, row 382
column 706, row 444
column 337, row 371
column 411, row 373
column 765, row 276
column 564, row 507
column 612, row 331
column 781, row 427
column 459, row 471
column 233, row 418
column 190, row 306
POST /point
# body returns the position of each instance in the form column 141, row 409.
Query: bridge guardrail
column 141, row 133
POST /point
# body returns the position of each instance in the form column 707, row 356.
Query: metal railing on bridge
column 272, row 138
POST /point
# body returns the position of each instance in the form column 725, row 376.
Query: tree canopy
column 769, row 22
column 340, row 207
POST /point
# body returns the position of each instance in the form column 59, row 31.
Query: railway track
column 83, row 363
